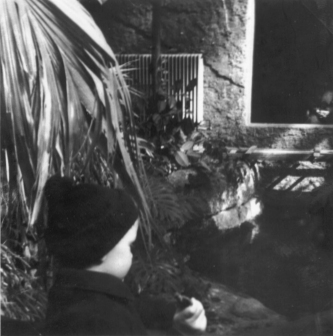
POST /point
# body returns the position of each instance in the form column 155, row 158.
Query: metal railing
column 181, row 77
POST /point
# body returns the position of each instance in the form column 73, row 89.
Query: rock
column 252, row 309
column 236, row 216
column 228, row 204
column 230, row 313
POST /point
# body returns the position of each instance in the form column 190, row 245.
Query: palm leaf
column 56, row 70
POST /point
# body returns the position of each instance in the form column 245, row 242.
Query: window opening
column 292, row 79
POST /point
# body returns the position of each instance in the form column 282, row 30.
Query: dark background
column 293, row 58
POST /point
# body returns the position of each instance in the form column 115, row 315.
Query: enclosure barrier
column 271, row 154
column 181, row 76
column 292, row 156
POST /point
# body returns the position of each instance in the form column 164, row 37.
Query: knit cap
column 85, row 221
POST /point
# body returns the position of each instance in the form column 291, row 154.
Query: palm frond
column 62, row 87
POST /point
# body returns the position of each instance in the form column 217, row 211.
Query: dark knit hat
column 85, row 221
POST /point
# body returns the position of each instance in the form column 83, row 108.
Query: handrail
column 273, row 154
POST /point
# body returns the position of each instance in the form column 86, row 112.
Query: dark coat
column 92, row 303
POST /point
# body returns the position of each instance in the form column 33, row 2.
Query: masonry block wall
column 220, row 30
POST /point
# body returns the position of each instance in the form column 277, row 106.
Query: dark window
column 293, row 62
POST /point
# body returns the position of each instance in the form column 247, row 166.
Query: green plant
column 164, row 274
column 22, row 294
column 157, row 276
column 165, row 135
column 170, row 140
column 65, row 108
column 63, row 95
column 170, row 210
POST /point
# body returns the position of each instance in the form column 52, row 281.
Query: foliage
column 23, row 262
column 172, row 208
column 157, row 276
column 164, row 202
column 175, row 143
column 169, row 209
column 164, row 122
column 237, row 171
column 65, row 107
column 164, row 273
column 22, row 295
column 63, row 95
column 167, row 142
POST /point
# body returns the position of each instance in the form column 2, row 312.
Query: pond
column 284, row 266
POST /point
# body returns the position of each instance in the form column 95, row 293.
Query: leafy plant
column 169, row 209
column 65, row 107
column 158, row 276
column 63, row 94
column 175, row 143
column 164, row 201
column 162, row 128
column 164, row 274
column 22, row 293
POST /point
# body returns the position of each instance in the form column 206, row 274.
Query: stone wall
column 220, row 30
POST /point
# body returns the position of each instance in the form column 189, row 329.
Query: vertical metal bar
column 139, row 65
column 188, row 59
column 192, row 91
column 183, row 86
column 168, row 68
column 141, row 84
column 181, row 67
column 147, row 74
column 162, row 72
column 127, row 61
column 171, row 75
column 139, row 72
column 191, row 79
column 186, row 83
column 137, row 62
column 195, row 91
column 200, row 87
column 133, row 66
column 174, row 76
column 150, row 76
column 143, row 74
column 145, row 86
column 177, row 75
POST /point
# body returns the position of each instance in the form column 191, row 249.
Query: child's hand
column 191, row 320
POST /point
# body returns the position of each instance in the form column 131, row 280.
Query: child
column 90, row 232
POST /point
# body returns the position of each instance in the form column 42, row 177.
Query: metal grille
column 181, row 77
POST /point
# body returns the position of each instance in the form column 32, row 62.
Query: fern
column 165, row 275
column 159, row 275
column 164, row 202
